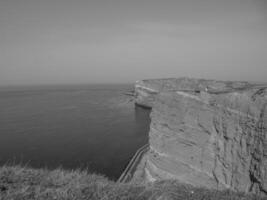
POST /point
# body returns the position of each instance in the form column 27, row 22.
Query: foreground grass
column 21, row 183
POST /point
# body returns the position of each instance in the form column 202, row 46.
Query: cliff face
column 207, row 133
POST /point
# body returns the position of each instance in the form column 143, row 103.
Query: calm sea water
column 94, row 127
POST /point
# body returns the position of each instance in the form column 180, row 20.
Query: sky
column 116, row 41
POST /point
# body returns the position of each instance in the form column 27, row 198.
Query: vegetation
column 21, row 183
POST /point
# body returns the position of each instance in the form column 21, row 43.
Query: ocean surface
column 91, row 127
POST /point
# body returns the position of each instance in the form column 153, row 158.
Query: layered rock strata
column 207, row 133
column 147, row 90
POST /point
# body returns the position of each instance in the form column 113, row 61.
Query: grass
column 23, row 183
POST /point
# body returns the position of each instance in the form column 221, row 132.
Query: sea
column 96, row 128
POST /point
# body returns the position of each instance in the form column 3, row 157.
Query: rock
column 207, row 133
column 147, row 90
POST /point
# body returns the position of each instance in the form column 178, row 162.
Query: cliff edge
column 207, row 133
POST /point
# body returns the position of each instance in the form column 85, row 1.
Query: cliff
column 207, row 133
column 147, row 90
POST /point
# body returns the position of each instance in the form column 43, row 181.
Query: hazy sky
column 79, row 41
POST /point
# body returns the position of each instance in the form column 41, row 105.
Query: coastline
column 27, row 183
column 74, row 122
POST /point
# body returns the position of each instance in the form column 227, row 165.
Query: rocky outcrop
column 207, row 133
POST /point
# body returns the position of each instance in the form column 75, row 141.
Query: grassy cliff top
column 21, row 183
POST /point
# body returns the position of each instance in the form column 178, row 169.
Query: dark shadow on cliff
column 143, row 106
column 142, row 120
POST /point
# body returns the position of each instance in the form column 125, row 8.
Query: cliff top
column 26, row 183
column 193, row 84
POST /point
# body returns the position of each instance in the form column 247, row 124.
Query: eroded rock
column 207, row 133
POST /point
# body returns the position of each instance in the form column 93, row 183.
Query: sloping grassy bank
column 21, row 183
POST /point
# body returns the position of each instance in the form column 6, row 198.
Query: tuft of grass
column 23, row 183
